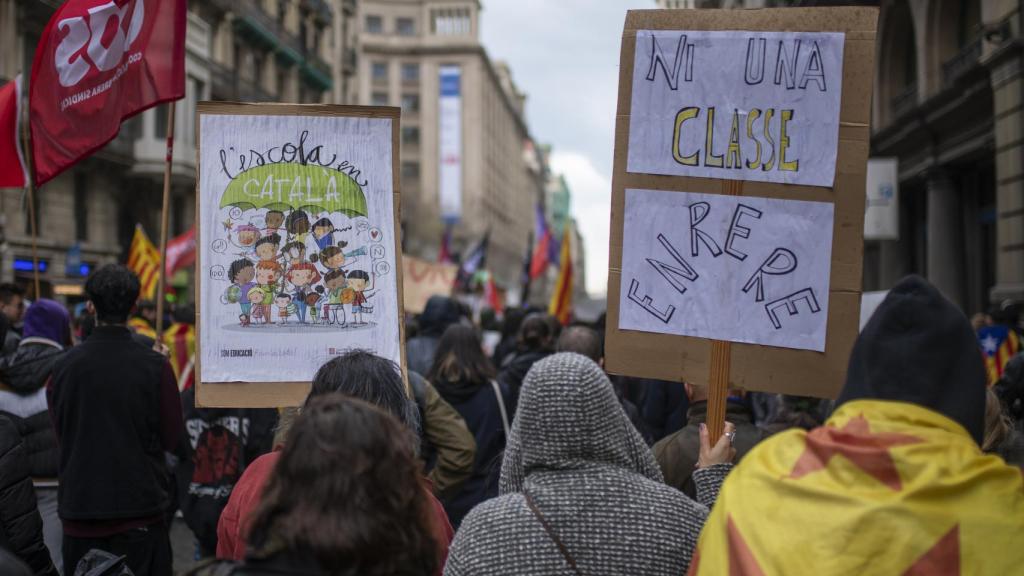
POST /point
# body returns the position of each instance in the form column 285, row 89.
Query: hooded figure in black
column 918, row 347
column 439, row 313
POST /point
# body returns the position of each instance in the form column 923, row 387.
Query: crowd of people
column 506, row 450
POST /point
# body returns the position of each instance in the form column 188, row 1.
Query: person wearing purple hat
column 23, row 376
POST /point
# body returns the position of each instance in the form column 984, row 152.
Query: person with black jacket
column 21, row 528
column 23, row 377
column 536, row 340
column 439, row 313
column 117, row 413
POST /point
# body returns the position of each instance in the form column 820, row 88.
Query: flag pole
column 30, row 191
column 164, row 217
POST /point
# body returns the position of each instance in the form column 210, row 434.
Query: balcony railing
column 905, row 101
column 962, row 63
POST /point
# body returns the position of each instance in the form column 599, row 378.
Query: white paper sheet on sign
column 297, row 244
column 735, row 268
column 737, row 105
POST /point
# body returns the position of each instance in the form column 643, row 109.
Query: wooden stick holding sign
column 738, row 198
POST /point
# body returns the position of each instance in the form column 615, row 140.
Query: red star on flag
column 867, row 451
column 942, row 559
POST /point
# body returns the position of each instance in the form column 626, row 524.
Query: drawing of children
column 294, row 252
column 298, row 225
column 331, row 257
column 334, row 309
column 302, row 276
column 358, row 280
column 246, row 236
column 241, row 274
column 273, row 220
column 267, row 247
column 260, row 304
column 268, row 273
column 323, row 233
column 284, row 306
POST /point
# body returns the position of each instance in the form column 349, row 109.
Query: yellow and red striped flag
column 180, row 339
column 561, row 299
column 144, row 260
column 883, row 488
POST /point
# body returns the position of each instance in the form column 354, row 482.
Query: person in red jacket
column 359, row 374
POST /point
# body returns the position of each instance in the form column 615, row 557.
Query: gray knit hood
column 569, row 419
column 573, row 450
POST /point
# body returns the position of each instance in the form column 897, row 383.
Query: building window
column 81, row 207
column 451, row 22
column 410, row 135
column 374, row 25
column 410, row 171
column 410, row 103
column 405, row 26
column 411, row 72
column 379, row 99
column 379, row 71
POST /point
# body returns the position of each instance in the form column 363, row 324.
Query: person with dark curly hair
column 344, row 498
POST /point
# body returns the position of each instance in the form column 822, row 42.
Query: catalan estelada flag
column 998, row 343
column 883, row 488
column 561, row 299
column 144, row 260
column 180, row 339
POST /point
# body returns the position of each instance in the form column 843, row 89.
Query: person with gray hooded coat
column 581, row 492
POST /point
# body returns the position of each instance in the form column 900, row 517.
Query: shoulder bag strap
column 501, row 406
column 551, row 534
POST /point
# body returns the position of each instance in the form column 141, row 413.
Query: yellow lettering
column 732, row 155
column 792, row 165
column 683, row 115
column 751, row 117
column 770, row 163
column 710, row 159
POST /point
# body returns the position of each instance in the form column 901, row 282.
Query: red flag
column 181, row 252
column 12, row 164
column 97, row 63
column 542, row 251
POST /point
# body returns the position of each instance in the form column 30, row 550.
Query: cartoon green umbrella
column 294, row 186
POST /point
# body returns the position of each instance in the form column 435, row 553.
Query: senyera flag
column 97, row 63
column 12, row 164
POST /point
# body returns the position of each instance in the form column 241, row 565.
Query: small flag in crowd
column 545, row 252
column 97, row 65
column 561, row 299
column 144, row 260
column 12, row 163
column 998, row 344
column 475, row 261
column 181, row 252
column 445, row 255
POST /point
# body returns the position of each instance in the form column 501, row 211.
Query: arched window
column 898, row 60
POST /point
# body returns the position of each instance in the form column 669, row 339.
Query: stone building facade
column 251, row 50
column 403, row 46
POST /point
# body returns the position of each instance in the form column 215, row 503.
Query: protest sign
column 297, row 219
column 737, row 196
column 422, row 279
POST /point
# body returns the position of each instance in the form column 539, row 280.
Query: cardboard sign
column 681, row 222
column 422, row 279
column 737, row 105
column 297, row 213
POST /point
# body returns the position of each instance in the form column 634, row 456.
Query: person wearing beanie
column 581, row 491
column 45, row 336
column 895, row 482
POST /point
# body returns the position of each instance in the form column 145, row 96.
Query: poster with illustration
column 297, row 242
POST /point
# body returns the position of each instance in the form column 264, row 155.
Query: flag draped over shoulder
column 561, row 299
column 144, row 260
column 883, row 488
column 12, row 163
column 998, row 344
column 97, row 64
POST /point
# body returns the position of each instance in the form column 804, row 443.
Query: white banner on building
column 735, row 268
column 737, row 105
column 882, row 209
column 450, row 152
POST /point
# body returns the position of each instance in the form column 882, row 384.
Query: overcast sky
column 565, row 55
